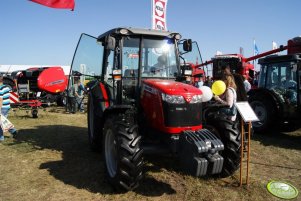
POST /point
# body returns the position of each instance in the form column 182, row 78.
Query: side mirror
column 187, row 45
column 110, row 43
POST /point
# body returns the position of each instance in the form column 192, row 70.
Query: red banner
column 64, row 4
column 159, row 14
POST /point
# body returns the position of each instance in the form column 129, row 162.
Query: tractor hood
column 171, row 87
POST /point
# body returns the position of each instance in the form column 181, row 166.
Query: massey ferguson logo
column 188, row 98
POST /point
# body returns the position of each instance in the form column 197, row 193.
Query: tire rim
column 260, row 111
column 111, row 153
column 91, row 120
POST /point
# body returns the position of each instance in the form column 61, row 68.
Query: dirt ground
column 51, row 160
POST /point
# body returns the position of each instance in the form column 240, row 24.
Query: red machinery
column 137, row 107
column 238, row 63
column 32, row 85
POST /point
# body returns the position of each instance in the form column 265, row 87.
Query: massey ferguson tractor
column 139, row 104
column 277, row 101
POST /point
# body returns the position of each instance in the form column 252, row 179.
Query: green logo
column 282, row 190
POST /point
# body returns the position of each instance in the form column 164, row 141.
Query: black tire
column 229, row 133
column 265, row 110
column 123, row 161
column 10, row 83
column 34, row 113
column 95, row 126
column 61, row 100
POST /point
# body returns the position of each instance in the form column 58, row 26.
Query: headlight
column 173, row 99
column 196, row 99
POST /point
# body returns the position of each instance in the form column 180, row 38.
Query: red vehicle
column 238, row 64
column 35, row 86
column 137, row 107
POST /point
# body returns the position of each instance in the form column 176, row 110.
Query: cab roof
column 136, row 31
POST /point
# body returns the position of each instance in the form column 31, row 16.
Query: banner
column 256, row 51
column 159, row 14
column 64, row 4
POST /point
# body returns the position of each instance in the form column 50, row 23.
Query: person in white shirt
column 247, row 84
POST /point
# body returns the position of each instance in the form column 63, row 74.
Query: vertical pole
column 241, row 150
column 248, row 159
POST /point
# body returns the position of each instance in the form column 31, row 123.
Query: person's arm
column 1, row 101
column 229, row 98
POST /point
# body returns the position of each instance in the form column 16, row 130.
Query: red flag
column 65, row 4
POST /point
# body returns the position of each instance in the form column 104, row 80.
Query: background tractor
column 139, row 103
column 277, row 101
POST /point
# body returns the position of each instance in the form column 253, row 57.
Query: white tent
column 10, row 68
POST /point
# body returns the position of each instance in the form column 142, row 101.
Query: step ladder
column 245, row 148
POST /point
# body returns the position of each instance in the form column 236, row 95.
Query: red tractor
column 139, row 103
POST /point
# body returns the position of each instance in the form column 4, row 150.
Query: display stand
column 248, row 116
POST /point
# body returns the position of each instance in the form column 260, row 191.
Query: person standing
column 5, row 107
column 71, row 104
column 247, row 84
column 79, row 94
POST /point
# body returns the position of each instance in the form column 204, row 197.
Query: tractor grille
column 180, row 115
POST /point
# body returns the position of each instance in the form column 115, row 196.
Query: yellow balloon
column 218, row 87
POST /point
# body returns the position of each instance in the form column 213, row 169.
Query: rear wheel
column 94, row 127
column 265, row 111
column 34, row 113
column 229, row 132
column 122, row 153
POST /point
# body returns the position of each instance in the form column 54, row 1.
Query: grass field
column 51, row 160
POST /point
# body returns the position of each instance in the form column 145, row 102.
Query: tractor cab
column 281, row 76
column 125, row 57
column 237, row 64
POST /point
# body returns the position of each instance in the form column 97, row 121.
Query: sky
column 31, row 34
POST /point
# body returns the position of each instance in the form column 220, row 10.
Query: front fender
column 276, row 100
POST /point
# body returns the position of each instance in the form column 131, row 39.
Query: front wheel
column 266, row 113
column 122, row 153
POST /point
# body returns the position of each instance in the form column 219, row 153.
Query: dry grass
column 51, row 160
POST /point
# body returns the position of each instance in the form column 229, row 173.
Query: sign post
column 248, row 116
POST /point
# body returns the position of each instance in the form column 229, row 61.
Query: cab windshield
column 158, row 58
column 281, row 78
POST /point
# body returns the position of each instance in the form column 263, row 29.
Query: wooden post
column 241, row 150
column 248, row 159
